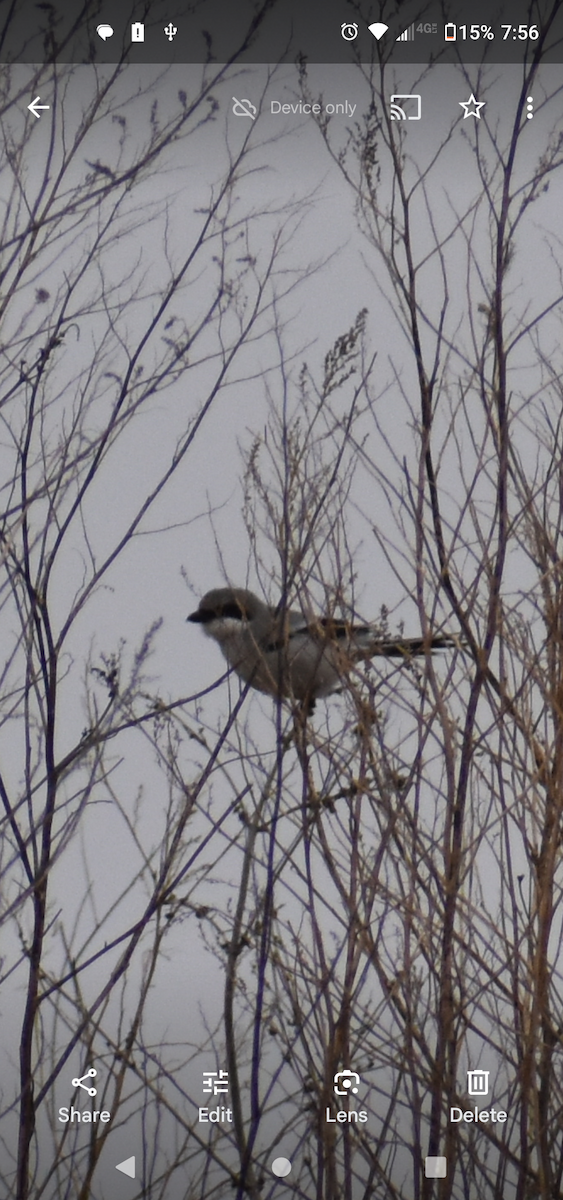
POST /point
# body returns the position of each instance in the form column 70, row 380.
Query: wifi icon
column 378, row 29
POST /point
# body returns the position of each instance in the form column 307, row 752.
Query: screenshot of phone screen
column 281, row 606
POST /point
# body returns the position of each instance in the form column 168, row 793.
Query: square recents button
column 435, row 1168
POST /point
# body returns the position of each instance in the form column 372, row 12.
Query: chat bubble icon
column 104, row 31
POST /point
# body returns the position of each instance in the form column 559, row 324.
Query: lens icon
column 346, row 1082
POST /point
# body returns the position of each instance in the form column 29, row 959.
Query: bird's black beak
column 201, row 616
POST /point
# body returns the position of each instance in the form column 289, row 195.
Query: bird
column 287, row 655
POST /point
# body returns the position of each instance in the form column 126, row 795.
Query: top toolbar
column 327, row 31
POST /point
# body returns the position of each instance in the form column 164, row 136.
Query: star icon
column 472, row 107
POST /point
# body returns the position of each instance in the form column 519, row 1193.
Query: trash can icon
column 478, row 1083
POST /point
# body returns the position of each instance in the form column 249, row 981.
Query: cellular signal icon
column 407, row 35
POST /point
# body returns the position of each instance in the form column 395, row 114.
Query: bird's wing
column 362, row 639
column 338, row 630
column 290, row 625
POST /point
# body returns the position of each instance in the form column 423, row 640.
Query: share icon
column 79, row 1082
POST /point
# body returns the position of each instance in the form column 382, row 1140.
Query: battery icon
column 450, row 32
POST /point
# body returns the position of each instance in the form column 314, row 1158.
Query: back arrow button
column 35, row 105
column 127, row 1166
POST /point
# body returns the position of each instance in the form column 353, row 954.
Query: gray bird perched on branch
column 285, row 654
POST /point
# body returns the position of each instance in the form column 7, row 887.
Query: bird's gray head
column 224, row 611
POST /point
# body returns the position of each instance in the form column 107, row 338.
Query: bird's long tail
column 410, row 647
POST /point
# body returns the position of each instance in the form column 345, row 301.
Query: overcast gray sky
column 196, row 529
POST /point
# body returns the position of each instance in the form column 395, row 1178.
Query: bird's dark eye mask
column 234, row 610
column 204, row 615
